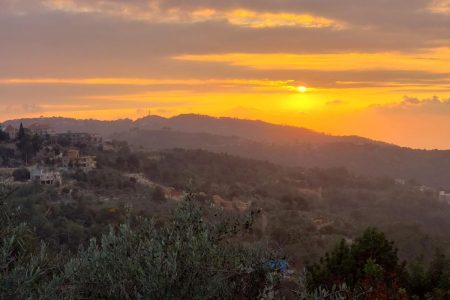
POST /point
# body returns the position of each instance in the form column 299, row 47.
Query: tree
column 133, row 163
column 184, row 257
column 371, row 261
column 120, row 163
column 21, row 174
column 3, row 135
column 418, row 284
column 181, row 260
column 26, row 148
column 438, row 276
column 36, row 142
column 24, row 263
column 432, row 281
column 21, row 132
column 439, row 269
column 28, row 145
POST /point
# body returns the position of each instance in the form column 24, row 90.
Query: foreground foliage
column 184, row 257
column 369, row 268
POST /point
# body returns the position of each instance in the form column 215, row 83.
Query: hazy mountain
column 371, row 159
column 59, row 124
column 285, row 145
column 249, row 129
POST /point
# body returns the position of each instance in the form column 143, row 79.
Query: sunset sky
column 375, row 68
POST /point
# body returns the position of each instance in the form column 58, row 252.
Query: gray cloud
column 24, row 108
column 336, row 102
column 374, row 26
column 401, row 16
column 413, row 105
column 32, row 35
column 38, row 40
column 50, row 44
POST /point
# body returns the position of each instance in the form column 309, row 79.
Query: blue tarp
column 279, row 265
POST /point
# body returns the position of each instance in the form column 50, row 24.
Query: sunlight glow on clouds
column 440, row 6
column 435, row 60
column 152, row 12
column 252, row 19
column 279, row 85
column 110, row 59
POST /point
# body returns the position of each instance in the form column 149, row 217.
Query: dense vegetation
column 369, row 268
column 115, row 227
column 20, row 150
column 313, row 206
column 293, row 199
column 191, row 252
column 290, row 146
column 186, row 256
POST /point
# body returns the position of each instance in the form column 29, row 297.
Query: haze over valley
column 285, row 145
column 232, row 149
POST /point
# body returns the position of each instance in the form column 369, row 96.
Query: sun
column 301, row 89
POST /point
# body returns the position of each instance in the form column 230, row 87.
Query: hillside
column 286, row 145
column 308, row 206
column 249, row 129
column 431, row 168
column 252, row 206
column 294, row 206
column 60, row 124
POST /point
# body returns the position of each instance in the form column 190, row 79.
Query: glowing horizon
column 368, row 71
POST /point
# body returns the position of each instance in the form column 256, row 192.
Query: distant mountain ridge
column 286, row 145
column 249, row 129
column 60, row 124
column 255, row 130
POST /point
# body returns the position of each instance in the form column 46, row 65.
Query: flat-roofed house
column 69, row 158
column 73, row 160
column 444, row 197
column 45, row 177
column 72, row 153
column 86, row 163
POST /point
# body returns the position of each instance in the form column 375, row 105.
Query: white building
column 45, row 177
column 444, row 197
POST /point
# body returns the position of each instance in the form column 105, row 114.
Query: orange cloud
column 152, row 12
column 440, row 7
column 433, row 60
column 287, row 85
column 252, row 19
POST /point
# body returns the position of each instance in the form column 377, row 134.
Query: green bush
column 371, row 261
column 184, row 257
column 21, row 174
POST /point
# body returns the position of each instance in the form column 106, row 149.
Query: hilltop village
column 40, row 154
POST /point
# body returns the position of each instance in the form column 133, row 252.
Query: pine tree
column 21, row 133
column 370, row 262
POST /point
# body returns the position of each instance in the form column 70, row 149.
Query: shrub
column 21, row 174
column 371, row 261
column 185, row 257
